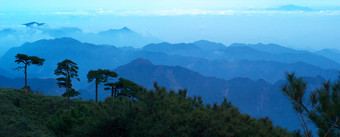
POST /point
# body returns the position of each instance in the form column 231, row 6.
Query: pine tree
column 112, row 87
column 322, row 108
column 27, row 61
column 100, row 76
column 69, row 70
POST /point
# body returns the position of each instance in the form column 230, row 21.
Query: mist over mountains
column 249, row 75
column 33, row 31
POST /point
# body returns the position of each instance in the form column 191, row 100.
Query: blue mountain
column 87, row 57
column 238, row 52
column 332, row 54
column 291, row 7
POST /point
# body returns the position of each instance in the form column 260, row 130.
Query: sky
column 226, row 21
column 44, row 5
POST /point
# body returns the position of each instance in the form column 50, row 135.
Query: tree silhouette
column 27, row 61
column 100, row 76
column 322, row 108
column 112, row 87
column 69, row 70
column 128, row 88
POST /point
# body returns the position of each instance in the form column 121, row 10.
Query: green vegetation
column 146, row 113
column 322, row 106
column 27, row 61
column 69, row 70
column 100, row 76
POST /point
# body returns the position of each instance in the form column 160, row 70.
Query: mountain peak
column 208, row 45
column 33, row 24
column 141, row 61
column 125, row 29
column 291, row 7
column 63, row 41
column 67, row 39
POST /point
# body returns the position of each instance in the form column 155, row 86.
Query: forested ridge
column 155, row 112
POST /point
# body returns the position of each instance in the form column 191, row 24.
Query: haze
column 306, row 24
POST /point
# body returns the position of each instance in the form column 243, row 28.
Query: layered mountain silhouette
column 257, row 98
column 33, row 31
column 330, row 53
column 90, row 56
column 237, row 52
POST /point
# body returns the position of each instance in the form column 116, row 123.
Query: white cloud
column 101, row 11
column 71, row 13
column 178, row 12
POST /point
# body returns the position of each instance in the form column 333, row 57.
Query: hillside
column 155, row 113
column 256, row 98
column 27, row 116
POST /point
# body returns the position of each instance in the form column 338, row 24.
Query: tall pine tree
column 27, row 61
column 68, row 70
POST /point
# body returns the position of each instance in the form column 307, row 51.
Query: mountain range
column 110, row 57
column 249, row 75
column 237, row 52
column 257, row 98
column 33, row 31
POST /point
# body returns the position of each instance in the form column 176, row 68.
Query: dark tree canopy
column 68, row 70
column 160, row 113
column 29, row 60
column 100, row 76
column 123, row 87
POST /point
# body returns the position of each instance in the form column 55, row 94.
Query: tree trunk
column 68, row 98
column 116, row 92
column 68, row 87
column 112, row 91
column 96, row 92
column 26, row 90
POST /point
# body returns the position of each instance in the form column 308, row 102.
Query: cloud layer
column 176, row 12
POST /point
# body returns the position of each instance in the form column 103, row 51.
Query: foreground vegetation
column 144, row 113
column 135, row 111
column 322, row 107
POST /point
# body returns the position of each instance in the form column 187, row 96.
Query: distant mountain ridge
column 31, row 24
column 33, row 31
column 237, row 52
column 330, row 53
column 87, row 57
column 291, row 7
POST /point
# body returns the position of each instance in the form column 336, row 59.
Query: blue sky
column 226, row 21
column 48, row 5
